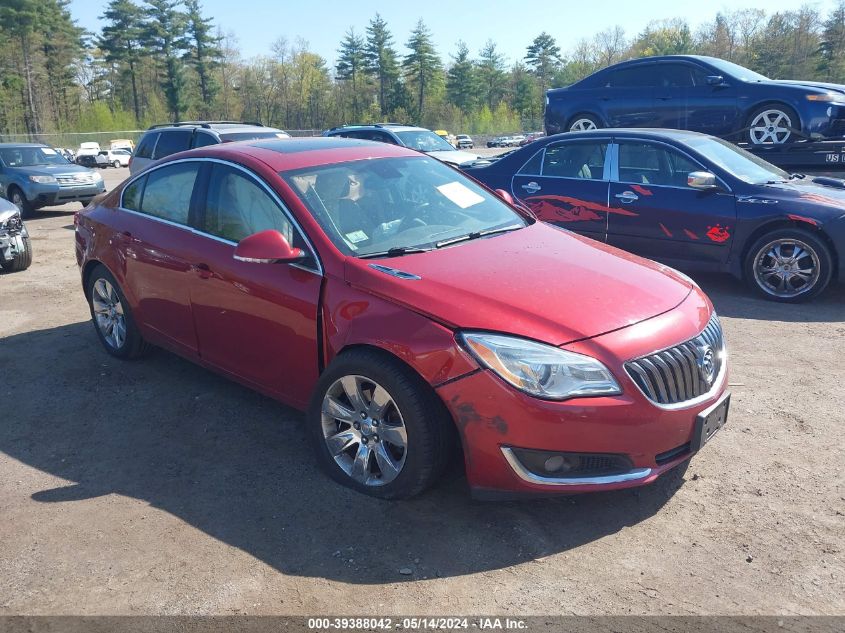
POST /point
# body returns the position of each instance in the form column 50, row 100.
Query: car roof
column 384, row 127
column 295, row 153
column 639, row 132
column 13, row 145
column 214, row 127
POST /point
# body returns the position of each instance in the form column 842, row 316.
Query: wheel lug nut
column 375, row 422
column 363, row 415
column 356, row 426
column 375, row 438
column 364, row 439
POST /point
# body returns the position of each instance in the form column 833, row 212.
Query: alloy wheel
column 787, row 268
column 364, row 430
column 770, row 126
column 582, row 125
column 108, row 313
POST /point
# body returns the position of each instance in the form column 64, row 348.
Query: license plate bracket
column 709, row 421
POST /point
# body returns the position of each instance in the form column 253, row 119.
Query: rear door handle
column 203, row 270
column 532, row 187
column 125, row 237
column 627, row 197
column 664, row 98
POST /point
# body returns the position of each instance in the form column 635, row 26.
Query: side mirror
column 266, row 247
column 701, row 180
column 715, row 80
column 504, row 195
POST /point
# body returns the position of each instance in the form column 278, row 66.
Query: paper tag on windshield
column 48, row 151
column 460, row 194
column 356, row 236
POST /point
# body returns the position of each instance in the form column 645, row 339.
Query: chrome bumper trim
column 526, row 475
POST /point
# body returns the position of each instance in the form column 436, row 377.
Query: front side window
column 424, row 141
column 368, row 207
column 168, row 191
column 584, row 161
column 650, row 164
column 237, row 207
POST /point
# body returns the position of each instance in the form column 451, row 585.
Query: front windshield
column 31, row 157
column 368, row 207
column 741, row 164
column 735, row 70
column 424, row 141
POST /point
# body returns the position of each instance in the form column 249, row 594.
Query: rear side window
column 172, row 141
column 145, row 147
column 635, row 77
column 168, row 191
column 584, row 161
column 533, row 166
column 675, row 76
column 204, row 138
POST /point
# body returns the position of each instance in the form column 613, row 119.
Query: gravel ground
column 156, row 487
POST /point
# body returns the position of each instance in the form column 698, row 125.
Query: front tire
column 22, row 259
column 116, row 164
column 112, row 316
column 17, row 198
column 788, row 265
column 378, row 427
column 772, row 125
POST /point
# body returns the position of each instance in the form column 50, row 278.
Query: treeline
column 161, row 60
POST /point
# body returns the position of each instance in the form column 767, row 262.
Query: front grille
column 678, row 374
column 837, row 126
column 75, row 180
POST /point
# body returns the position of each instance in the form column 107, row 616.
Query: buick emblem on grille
column 706, row 361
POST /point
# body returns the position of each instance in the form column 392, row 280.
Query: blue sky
column 511, row 24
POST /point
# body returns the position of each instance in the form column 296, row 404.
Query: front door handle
column 203, row 270
column 627, row 197
column 532, row 187
column 664, row 98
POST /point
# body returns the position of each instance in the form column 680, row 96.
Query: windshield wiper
column 475, row 235
column 396, row 251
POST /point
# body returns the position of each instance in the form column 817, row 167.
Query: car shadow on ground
column 733, row 298
column 237, row 466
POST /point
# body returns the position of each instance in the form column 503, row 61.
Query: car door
column 655, row 214
column 628, row 98
column 257, row 322
column 685, row 100
column 566, row 183
column 152, row 239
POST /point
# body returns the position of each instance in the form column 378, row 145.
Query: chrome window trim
column 615, row 174
column 526, row 475
column 285, row 211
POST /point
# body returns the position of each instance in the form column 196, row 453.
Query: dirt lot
column 156, row 487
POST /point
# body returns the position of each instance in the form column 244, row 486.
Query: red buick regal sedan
column 410, row 311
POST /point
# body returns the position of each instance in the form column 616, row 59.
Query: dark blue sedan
column 702, row 94
column 692, row 201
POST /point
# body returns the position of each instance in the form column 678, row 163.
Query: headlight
column 827, row 97
column 43, row 180
column 541, row 370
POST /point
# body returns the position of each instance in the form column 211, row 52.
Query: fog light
column 553, row 463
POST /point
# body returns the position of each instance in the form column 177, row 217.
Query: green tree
column 422, row 65
column 203, row 53
column 492, row 77
column 165, row 35
column 21, row 19
column 121, row 41
column 543, row 57
column 664, row 37
column 351, row 66
column 62, row 46
column 461, row 81
column 832, row 47
column 382, row 64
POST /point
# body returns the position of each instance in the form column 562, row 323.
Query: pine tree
column 121, row 42
column 832, row 47
column 422, row 65
column 491, row 74
column 165, row 34
column 204, row 53
column 461, row 81
column 351, row 66
column 21, row 19
column 543, row 56
column 382, row 64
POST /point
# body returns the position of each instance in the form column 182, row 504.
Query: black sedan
column 689, row 200
column 702, row 94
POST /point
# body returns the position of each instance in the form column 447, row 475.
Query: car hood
column 810, row 198
column 454, row 157
column 811, row 84
column 54, row 170
column 539, row 282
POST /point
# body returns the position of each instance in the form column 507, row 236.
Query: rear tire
column 22, row 260
column 788, row 265
column 116, row 164
column 584, row 122
column 112, row 316
column 421, row 436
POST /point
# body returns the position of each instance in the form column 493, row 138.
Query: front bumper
column 54, row 195
column 492, row 418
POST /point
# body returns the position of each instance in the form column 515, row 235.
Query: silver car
column 15, row 247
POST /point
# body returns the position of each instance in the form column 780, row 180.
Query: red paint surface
column 801, row 218
column 260, row 323
column 641, row 190
column 568, row 209
column 691, row 235
column 666, row 231
column 718, row 233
